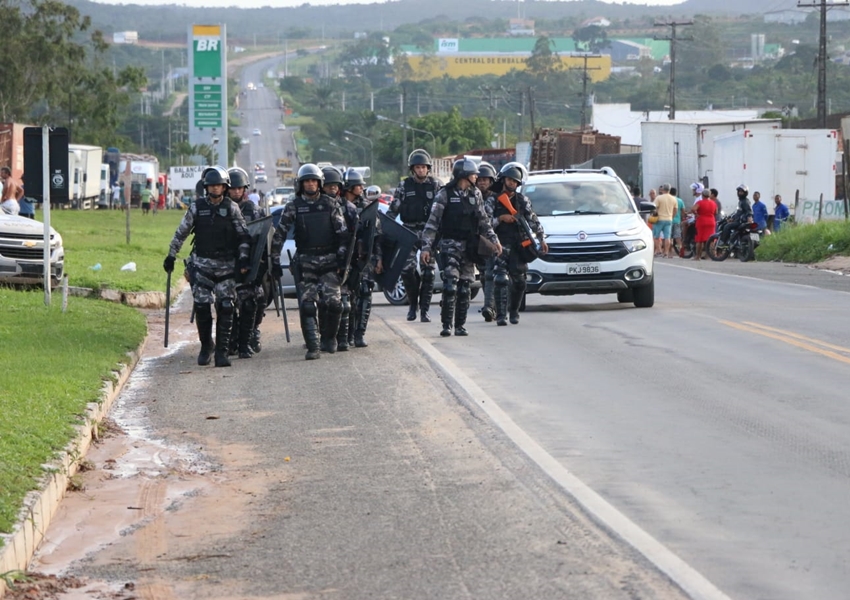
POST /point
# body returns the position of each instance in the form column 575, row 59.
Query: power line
column 673, row 39
column 823, row 5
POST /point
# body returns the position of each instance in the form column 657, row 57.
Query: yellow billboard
column 425, row 66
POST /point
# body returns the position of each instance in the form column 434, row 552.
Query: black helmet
column 308, row 171
column 216, row 176
column 199, row 188
column 514, row 170
column 419, row 157
column 464, row 169
column 352, row 178
column 743, row 188
column 485, row 169
column 332, row 175
column 238, row 178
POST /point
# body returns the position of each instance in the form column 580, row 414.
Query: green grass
column 92, row 237
column 806, row 243
column 54, row 364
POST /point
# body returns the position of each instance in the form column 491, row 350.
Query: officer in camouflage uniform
column 333, row 187
column 412, row 201
column 251, row 297
column 458, row 217
column 366, row 261
column 321, row 238
column 509, row 267
column 220, row 249
column 486, row 178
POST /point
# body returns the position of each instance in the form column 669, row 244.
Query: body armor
column 215, row 236
column 459, row 219
column 416, row 204
column 314, row 232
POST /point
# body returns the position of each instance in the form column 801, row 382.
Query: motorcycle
column 743, row 241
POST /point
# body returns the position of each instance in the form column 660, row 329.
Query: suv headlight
column 634, row 245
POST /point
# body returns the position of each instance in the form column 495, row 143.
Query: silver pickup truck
column 22, row 251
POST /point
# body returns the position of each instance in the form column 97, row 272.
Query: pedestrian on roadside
column 705, row 210
column 759, row 211
column 780, row 213
column 637, row 198
column 714, row 193
column 666, row 208
column 11, row 193
column 146, row 194
column 254, row 197
column 116, row 197
column 676, row 229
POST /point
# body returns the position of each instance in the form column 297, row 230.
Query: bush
column 806, row 243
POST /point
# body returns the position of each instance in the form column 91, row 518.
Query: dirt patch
column 38, row 586
column 838, row 264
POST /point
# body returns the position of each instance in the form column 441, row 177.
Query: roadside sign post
column 45, row 203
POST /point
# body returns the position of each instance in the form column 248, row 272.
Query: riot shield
column 260, row 232
column 397, row 242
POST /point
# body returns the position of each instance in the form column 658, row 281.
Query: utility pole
column 823, row 5
column 673, row 39
column 585, row 78
column 490, row 106
column 531, row 108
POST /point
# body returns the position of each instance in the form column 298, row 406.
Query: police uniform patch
column 429, row 195
column 472, row 200
column 223, row 212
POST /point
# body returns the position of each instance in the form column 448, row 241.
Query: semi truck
column 795, row 163
column 84, row 174
column 682, row 152
column 139, row 170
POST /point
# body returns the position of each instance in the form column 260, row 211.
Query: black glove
column 341, row 263
column 168, row 264
column 277, row 270
column 243, row 262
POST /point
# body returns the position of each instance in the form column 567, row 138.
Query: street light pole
column 371, row 149
column 346, row 150
column 406, row 126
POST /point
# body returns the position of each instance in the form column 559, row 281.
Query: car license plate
column 582, row 268
column 754, row 237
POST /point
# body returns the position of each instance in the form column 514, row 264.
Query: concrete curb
column 134, row 299
column 40, row 506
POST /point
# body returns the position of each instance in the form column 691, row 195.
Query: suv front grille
column 23, row 236
column 585, row 252
column 23, row 253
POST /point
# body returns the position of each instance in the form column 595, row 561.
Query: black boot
column 411, row 286
column 223, row 325
column 246, row 327
column 233, row 345
column 330, row 328
column 310, row 330
column 425, row 293
column 342, row 331
column 462, row 308
column 447, row 311
column 501, row 299
column 364, row 309
column 517, row 294
column 255, row 335
column 489, row 300
column 204, row 321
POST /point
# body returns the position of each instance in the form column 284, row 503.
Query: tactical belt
column 319, row 251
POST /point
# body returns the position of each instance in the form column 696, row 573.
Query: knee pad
column 345, row 304
column 463, row 288
column 519, row 285
column 501, row 278
column 249, row 305
column 428, row 276
column 203, row 310
column 334, row 308
column 450, row 286
column 224, row 307
column 366, row 287
column 308, row 309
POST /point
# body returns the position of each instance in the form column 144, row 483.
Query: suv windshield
column 551, row 199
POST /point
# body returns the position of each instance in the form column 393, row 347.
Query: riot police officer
column 486, row 178
column 220, row 248
column 321, row 238
column 412, row 201
column 459, row 218
column 333, row 183
column 366, row 261
column 511, row 211
column 251, row 297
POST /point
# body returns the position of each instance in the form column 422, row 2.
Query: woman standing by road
column 704, row 209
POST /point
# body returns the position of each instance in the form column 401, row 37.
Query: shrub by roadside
column 806, row 243
column 54, row 364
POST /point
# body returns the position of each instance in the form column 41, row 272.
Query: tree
column 592, row 38
column 544, row 61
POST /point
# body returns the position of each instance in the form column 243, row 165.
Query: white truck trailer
column 682, row 152
column 84, row 174
column 785, row 161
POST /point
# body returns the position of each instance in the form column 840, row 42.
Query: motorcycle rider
column 321, row 238
column 458, row 218
column 333, row 188
column 366, row 261
column 744, row 214
column 220, row 250
column 505, row 205
column 486, row 178
column 412, row 201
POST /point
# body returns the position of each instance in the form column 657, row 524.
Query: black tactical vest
column 314, row 228
column 250, row 211
column 215, row 235
column 507, row 232
column 459, row 221
column 416, row 204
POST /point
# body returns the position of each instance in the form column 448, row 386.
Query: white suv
column 598, row 241
column 22, row 251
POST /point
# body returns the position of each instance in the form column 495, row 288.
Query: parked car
column 280, row 195
column 22, row 251
column 598, row 241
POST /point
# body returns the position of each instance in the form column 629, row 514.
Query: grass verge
column 55, row 363
column 806, row 243
column 99, row 237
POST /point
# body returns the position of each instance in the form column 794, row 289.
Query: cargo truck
column 84, row 174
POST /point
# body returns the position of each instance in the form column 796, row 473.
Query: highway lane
column 717, row 421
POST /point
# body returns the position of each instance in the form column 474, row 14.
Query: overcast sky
column 282, row 3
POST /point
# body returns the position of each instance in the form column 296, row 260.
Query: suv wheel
column 644, row 297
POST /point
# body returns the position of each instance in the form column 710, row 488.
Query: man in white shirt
column 254, row 197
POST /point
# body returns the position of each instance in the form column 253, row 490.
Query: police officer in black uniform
column 412, row 201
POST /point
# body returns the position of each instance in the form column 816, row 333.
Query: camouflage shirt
column 434, row 224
